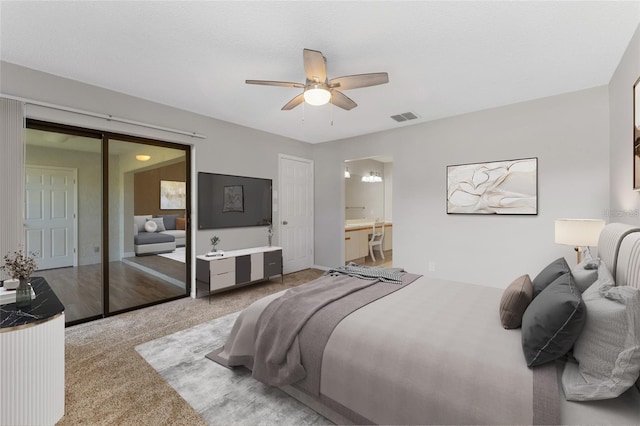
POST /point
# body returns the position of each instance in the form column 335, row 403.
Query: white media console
column 237, row 268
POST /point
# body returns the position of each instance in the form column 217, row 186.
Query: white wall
column 568, row 134
column 625, row 202
column 228, row 148
column 370, row 195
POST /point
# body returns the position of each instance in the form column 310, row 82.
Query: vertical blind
column 12, row 124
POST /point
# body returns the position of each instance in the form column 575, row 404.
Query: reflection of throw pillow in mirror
column 150, row 226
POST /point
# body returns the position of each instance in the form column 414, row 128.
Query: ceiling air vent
column 404, row 117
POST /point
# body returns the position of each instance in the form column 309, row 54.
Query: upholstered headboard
column 609, row 243
column 628, row 266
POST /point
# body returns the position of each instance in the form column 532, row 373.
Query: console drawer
column 272, row 263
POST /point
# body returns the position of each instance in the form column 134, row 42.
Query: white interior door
column 296, row 212
column 50, row 214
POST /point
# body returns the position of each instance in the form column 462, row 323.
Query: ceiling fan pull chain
column 303, row 112
column 331, row 109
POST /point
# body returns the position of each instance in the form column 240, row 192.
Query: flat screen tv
column 226, row 201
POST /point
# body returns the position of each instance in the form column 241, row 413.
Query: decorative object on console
column 636, row 135
column 270, row 232
column 20, row 265
column 215, row 240
column 578, row 233
column 173, row 195
column 501, row 187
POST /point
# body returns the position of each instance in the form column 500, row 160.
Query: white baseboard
column 129, row 254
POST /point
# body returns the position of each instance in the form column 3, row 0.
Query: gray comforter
column 433, row 352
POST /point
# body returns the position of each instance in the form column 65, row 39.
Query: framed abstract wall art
column 173, row 195
column 636, row 135
column 500, row 187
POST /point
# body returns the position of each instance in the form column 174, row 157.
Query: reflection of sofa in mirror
column 162, row 235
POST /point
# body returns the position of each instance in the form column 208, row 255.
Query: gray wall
column 625, row 202
column 568, row 134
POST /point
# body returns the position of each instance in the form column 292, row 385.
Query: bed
column 423, row 351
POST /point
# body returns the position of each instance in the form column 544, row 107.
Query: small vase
column 23, row 293
column 270, row 238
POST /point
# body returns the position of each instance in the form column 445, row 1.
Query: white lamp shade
column 578, row 232
column 317, row 96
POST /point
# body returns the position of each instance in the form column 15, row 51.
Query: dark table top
column 45, row 305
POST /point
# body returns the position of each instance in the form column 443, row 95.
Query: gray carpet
column 220, row 395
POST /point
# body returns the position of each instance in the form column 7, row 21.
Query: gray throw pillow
column 160, row 222
column 552, row 322
column 514, row 302
column 549, row 274
column 169, row 221
column 608, row 350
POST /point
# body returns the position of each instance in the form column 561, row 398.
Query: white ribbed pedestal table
column 32, row 360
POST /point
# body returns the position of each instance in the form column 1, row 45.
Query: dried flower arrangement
column 19, row 265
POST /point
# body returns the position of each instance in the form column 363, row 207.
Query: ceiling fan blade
column 314, row 65
column 275, row 83
column 359, row 80
column 341, row 100
column 294, row 102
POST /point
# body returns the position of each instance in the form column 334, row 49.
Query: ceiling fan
column 318, row 89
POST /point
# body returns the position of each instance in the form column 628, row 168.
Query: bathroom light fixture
column 372, row 178
column 578, row 233
column 317, row 95
column 346, row 173
column 143, row 157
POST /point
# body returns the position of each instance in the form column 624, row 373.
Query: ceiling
column 443, row 58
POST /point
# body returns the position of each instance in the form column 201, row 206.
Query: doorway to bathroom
column 368, row 225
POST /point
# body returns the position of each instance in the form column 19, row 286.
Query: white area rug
column 218, row 394
column 178, row 254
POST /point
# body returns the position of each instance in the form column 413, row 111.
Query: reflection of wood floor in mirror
column 387, row 262
column 80, row 289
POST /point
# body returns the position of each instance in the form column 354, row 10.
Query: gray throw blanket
column 387, row 275
column 277, row 351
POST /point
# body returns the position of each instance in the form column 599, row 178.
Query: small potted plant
column 214, row 242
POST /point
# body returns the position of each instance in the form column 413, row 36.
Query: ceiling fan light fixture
column 317, row 95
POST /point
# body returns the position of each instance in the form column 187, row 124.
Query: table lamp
column 578, row 233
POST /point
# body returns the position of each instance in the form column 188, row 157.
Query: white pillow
column 608, row 349
column 150, row 226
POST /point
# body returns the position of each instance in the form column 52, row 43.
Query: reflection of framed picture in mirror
column 636, row 135
column 173, row 195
